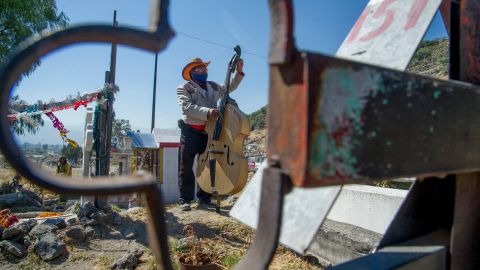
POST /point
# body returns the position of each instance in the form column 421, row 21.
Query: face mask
column 200, row 78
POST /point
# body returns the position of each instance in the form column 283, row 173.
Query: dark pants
column 192, row 142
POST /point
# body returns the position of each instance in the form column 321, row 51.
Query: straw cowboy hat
column 193, row 64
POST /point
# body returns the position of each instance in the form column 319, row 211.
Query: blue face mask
column 200, row 78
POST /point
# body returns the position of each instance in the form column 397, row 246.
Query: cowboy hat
column 193, row 64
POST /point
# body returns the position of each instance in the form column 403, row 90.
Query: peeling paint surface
column 345, row 95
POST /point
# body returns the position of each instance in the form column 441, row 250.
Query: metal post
column 154, row 91
column 465, row 242
column 106, row 119
column 108, row 133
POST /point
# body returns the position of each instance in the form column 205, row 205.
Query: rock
column 26, row 243
column 73, row 209
column 107, row 208
column 11, row 232
column 48, row 208
column 58, row 208
column 93, row 232
column 99, row 216
column 71, row 221
column 116, row 219
column 130, row 233
column 128, row 261
column 12, row 248
column 115, row 235
column 50, row 202
column 71, row 203
column 184, row 241
column 27, row 225
column 49, row 247
column 10, row 200
column 58, row 222
column 19, row 229
column 88, row 221
column 86, row 209
column 76, row 233
column 41, row 229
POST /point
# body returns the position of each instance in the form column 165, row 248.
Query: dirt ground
column 214, row 233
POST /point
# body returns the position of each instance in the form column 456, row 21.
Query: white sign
column 388, row 32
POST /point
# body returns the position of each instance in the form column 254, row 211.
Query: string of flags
column 21, row 111
column 19, row 108
column 63, row 131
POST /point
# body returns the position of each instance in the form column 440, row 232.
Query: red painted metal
column 281, row 32
column 470, row 41
column 445, row 11
column 288, row 118
column 171, row 144
column 465, row 244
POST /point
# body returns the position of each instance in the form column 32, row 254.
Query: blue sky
column 320, row 26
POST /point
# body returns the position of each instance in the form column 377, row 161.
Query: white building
column 168, row 140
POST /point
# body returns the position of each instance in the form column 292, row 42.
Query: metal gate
column 345, row 122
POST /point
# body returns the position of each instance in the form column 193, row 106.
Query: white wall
column 170, row 175
column 368, row 207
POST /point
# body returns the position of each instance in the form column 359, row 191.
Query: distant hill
column 257, row 118
column 431, row 58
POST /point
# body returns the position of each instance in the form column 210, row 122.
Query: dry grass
column 103, row 262
column 229, row 240
column 33, row 262
column 221, row 235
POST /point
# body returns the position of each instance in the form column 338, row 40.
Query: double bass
column 223, row 169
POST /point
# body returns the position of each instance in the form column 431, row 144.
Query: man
column 63, row 168
column 198, row 101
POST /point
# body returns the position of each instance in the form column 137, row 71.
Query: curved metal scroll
column 262, row 250
column 30, row 51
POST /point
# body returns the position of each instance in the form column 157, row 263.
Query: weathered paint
column 353, row 135
column 346, row 93
column 335, row 128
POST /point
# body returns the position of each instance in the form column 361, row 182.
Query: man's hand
column 213, row 113
column 240, row 65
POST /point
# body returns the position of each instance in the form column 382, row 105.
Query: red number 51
column 389, row 15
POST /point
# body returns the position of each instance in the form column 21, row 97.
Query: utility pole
column 104, row 138
column 154, row 91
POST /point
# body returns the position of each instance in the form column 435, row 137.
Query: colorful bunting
column 20, row 108
column 63, row 131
